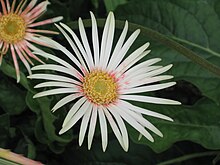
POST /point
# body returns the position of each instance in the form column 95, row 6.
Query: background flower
column 17, row 30
column 103, row 83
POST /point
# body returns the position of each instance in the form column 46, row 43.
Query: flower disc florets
column 100, row 87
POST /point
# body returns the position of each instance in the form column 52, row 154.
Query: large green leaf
column 193, row 23
column 198, row 123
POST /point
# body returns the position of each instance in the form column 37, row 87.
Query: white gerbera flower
column 103, row 82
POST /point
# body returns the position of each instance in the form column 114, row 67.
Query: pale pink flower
column 9, row 157
column 17, row 30
column 102, row 83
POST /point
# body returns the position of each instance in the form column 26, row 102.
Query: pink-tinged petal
column 30, row 37
column 6, row 154
column 8, row 5
column 29, row 7
column 47, row 21
column 27, row 50
column 24, row 54
column 15, row 63
column 3, row 7
column 23, row 60
column 20, row 6
column 41, row 31
column 36, row 12
column 13, row 6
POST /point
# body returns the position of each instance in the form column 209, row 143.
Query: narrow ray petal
column 84, row 125
column 76, row 117
column 147, row 88
column 92, row 126
column 95, row 39
column 149, row 99
column 55, row 92
column 64, row 101
column 73, row 110
column 135, row 124
column 144, row 111
column 103, row 126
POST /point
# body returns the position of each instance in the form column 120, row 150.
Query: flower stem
column 187, row 157
column 162, row 39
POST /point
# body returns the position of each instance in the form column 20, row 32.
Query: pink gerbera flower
column 17, row 30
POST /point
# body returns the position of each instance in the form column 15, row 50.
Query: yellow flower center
column 100, row 87
column 12, row 28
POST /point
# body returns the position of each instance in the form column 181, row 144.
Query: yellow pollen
column 12, row 28
column 100, row 88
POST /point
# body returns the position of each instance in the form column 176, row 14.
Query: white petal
column 73, row 46
column 104, row 38
column 144, row 122
column 142, row 65
column 114, row 127
column 121, row 54
column 55, row 92
column 148, row 80
column 54, row 58
column 53, row 77
column 139, row 75
column 103, row 126
column 95, row 39
column 64, row 101
column 134, row 123
column 106, row 46
column 75, row 117
column 84, row 124
column 121, row 126
column 92, row 126
column 73, row 110
column 147, row 88
column 149, row 99
column 144, row 111
column 70, row 71
column 88, row 58
column 118, row 45
column 63, row 49
column 133, row 58
column 85, row 43
column 56, row 84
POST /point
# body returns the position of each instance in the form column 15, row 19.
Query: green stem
column 162, row 39
column 187, row 157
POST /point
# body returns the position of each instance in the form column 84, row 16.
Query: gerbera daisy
column 17, row 30
column 102, row 83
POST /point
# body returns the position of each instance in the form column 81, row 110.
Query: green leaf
column 11, row 97
column 45, row 129
column 194, row 24
column 111, row 5
column 198, row 123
